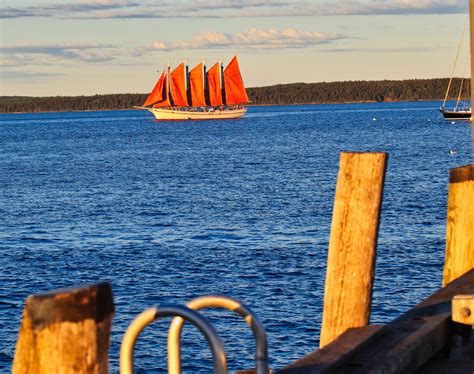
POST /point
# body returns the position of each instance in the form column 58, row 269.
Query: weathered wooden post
column 460, row 224
column 352, row 245
column 66, row 331
column 471, row 33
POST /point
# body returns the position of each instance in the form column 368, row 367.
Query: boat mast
column 206, row 86
column 168, row 76
column 454, row 65
column 461, row 86
column 187, row 82
column 224, row 102
column 471, row 18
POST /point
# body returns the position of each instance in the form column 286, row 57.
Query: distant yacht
column 455, row 114
column 462, row 109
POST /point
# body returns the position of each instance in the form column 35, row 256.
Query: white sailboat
column 462, row 109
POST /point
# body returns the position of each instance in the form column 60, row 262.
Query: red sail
column 178, row 87
column 214, row 85
column 158, row 93
column 196, row 84
column 234, row 85
column 165, row 100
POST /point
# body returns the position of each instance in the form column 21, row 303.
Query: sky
column 87, row 47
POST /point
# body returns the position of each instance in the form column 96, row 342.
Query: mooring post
column 471, row 49
column 352, row 245
column 459, row 224
column 65, row 331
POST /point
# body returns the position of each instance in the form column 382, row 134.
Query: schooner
column 181, row 94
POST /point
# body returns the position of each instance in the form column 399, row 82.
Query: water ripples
column 170, row 211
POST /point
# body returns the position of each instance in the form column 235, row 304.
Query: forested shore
column 281, row 94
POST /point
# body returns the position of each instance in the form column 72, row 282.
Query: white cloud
column 399, row 7
column 62, row 9
column 253, row 38
column 35, row 54
column 31, row 75
column 376, row 50
column 230, row 8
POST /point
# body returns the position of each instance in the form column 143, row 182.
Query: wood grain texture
column 463, row 309
column 327, row 358
column 471, row 33
column 404, row 345
column 65, row 331
column 459, row 256
column 352, row 245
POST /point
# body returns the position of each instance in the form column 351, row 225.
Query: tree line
column 281, row 94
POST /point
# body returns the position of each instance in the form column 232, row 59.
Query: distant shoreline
column 348, row 92
column 249, row 105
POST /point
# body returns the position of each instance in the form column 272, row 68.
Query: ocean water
column 170, row 211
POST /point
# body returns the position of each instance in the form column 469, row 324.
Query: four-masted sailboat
column 198, row 94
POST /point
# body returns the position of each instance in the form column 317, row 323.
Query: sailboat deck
column 182, row 115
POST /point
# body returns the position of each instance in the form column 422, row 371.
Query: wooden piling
column 65, row 331
column 471, row 33
column 460, row 224
column 353, row 241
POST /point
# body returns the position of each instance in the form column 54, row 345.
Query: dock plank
column 402, row 346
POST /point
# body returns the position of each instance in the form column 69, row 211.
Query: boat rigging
column 462, row 109
column 181, row 94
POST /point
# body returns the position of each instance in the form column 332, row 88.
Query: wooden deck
column 423, row 339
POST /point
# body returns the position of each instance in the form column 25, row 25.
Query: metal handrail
column 174, row 334
column 151, row 314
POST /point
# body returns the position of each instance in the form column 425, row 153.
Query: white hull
column 182, row 115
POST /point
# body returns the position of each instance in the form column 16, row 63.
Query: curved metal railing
column 151, row 314
column 174, row 335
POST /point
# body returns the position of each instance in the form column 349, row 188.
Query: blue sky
column 83, row 47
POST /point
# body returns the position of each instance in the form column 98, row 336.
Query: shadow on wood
column 66, row 331
column 402, row 346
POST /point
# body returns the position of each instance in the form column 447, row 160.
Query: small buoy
column 452, row 122
column 452, row 152
column 374, row 119
column 429, row 120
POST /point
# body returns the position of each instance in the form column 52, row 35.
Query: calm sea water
column 170, row 211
